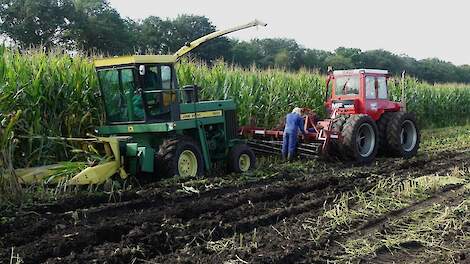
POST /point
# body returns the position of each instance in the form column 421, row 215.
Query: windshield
column 122, row 102
column 347, row 85
column 159, row 91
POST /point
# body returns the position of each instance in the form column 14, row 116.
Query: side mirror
column 330, row 70
column 142, row 70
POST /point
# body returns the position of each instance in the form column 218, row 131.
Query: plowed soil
column 260, row 220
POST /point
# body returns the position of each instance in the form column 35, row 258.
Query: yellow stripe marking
column 205, row 114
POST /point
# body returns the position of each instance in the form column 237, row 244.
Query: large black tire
column 241, row 158
column 382, row 124
column 403, row 135
column 360, row 139
column 338, row 123
column 180, row 151
column 335, row 148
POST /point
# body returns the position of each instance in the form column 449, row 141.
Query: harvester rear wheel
column 403, row 135
column 241, row 159
column 180, row 157
column 360, row 139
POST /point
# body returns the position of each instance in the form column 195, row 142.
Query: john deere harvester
column 156, row 128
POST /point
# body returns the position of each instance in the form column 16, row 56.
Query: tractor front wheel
column 403, row 135
column 241, row 159
column 360, row 139
column 180, row 157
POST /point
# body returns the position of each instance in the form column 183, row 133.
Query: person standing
column 294, row 123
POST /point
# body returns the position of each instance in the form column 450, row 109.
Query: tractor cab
column 141, row 89
column 360, row 91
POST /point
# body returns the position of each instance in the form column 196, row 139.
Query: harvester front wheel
column 403, row 135
column 241, row 159
column 180, row 157
column 360, row 139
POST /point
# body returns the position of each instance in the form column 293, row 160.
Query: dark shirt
column 293, row 122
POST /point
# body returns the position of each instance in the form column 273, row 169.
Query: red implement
column 314, row 143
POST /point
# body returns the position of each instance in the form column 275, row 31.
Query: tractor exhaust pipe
column 403, row 94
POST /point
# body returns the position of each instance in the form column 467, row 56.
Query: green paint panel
column 207, row 106
column 136, row 128
column 156, row 128
column 131, row 149
column 188, row 124
column 146, row 158
column 145, row 138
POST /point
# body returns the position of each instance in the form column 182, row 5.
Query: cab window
column 166, row 77
column 382, row 88
column 347, row 85
column 134, row 99
column 329, row 89
column 122, row 102
column 370, row 87
column 159, row 91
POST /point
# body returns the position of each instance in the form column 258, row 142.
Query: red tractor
column 362, row 120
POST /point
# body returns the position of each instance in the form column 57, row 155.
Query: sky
column 417, row 28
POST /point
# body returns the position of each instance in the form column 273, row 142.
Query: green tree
column 32, row 22
column 98, row 26
column 245, row 53
column 267, row 50
column 154, row 35
column 281, row 59
column 339, row 62
column 351, row 53
column 315, row 59
column 436, row 70
column 186, row 28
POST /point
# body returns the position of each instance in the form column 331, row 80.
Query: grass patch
column 352, row 210
column 439, row 230
column 445, row 138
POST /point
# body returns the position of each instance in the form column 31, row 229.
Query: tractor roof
column 135, row 59
column 357, row 71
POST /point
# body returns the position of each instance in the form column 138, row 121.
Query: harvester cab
column 163, row 128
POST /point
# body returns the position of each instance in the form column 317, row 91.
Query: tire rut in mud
column 169, row 227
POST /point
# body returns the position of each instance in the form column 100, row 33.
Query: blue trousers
column 289, row 144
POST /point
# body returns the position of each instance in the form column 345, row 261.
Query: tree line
column 96, row 27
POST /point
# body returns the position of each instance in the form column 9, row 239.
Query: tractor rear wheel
column 241, row 159
column 403, row 135
column 180, row 157
column 382, row 124
column 360, row 139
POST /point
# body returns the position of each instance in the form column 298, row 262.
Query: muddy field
column 303, row 212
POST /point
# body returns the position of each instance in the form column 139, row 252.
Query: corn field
column 269, row 94
column 55, row 94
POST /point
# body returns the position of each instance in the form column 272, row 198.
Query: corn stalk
column 10, row 189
